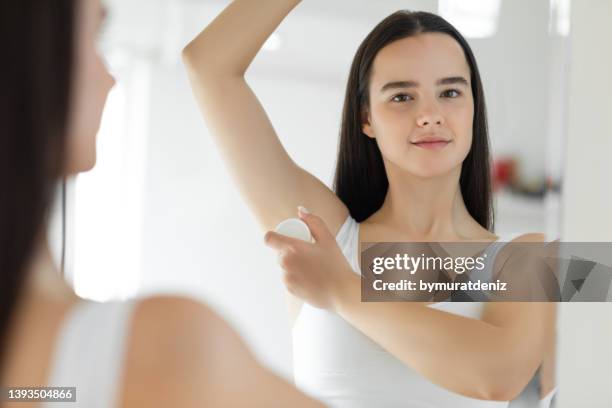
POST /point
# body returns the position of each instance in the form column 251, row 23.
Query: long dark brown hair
column 36, row 67
column 360, row 180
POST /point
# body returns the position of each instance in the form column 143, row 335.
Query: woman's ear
column 366, row 127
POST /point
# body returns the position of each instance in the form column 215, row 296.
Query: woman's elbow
column 205, row 66
column 505, row 393
column 510, row 385
column 187, row 55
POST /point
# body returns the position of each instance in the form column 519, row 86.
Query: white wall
column 585, row 329
column 198, row 235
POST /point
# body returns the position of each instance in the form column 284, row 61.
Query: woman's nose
column 429, row 114
column 111, row 80
column 430, row 119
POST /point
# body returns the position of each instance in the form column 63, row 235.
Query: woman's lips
column 431, row 145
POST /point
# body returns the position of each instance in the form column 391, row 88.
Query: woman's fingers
column 282, row 242
column 316, row 225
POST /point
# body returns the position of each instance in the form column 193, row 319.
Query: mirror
column 161, row 213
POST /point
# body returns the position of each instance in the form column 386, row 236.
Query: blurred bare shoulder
column 182, row 353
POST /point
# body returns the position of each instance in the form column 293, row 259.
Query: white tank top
column 337, row 364
column 89, row 353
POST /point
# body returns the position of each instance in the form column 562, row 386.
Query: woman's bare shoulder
column 182, row 353
column 174, row 349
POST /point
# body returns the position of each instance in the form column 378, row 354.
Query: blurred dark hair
column 36, row 70
column 360, row 180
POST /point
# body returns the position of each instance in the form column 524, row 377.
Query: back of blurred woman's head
column 34, row 103
column 49, row 115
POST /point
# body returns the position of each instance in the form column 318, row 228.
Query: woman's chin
column 429, row 172
column 82, row 166
column 87, row 166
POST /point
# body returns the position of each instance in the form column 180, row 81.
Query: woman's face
column 420, row 87
column 91, row 85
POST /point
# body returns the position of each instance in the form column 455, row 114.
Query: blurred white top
column 89, row 353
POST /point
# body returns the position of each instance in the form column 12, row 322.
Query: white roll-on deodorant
column 294, row 228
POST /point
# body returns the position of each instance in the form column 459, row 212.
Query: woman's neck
column 41, row 308
column 44, row 278
column 428, row 208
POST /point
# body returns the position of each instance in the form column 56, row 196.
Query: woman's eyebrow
column 452, row 80
column 399, row 84
column 413, row 84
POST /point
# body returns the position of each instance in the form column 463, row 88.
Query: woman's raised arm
column 272, row 184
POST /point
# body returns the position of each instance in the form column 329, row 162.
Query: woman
column 157, row 352
column 414, row 80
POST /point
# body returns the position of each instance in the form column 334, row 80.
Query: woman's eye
column 451, row 93
column 401, row 98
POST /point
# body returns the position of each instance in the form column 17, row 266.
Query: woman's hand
column 315, row 272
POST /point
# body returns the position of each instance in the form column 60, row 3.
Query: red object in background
column 503, row 172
